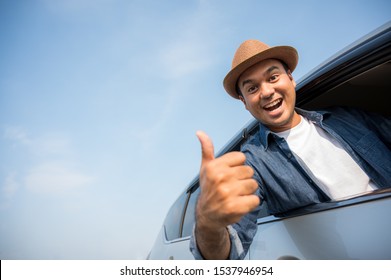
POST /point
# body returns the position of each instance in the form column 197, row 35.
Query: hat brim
column 287, row 54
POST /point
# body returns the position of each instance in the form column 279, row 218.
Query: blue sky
column 100, row 101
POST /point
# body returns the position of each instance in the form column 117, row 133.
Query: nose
column 267, row 91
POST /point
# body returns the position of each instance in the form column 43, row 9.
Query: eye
column 273, row 78
column 252, row 89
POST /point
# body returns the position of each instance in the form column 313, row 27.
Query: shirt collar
column 314, row 116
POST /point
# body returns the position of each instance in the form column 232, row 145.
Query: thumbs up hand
column 227, row 188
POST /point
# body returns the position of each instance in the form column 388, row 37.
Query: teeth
column 272, row 104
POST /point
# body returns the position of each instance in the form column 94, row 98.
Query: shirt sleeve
column 379, row 124
column 236, row 252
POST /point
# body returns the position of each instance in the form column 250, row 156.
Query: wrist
column 212, row 243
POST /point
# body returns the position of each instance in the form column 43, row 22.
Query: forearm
column 213, row 245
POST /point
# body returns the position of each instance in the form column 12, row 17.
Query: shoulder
column 346, row 118
column 254, row 140
column 347, row 113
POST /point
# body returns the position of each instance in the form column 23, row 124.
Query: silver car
column 355, row 228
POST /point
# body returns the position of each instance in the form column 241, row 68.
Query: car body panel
column 358, row 229
column 169, row 250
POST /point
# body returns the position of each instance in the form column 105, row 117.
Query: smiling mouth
column 273, row 105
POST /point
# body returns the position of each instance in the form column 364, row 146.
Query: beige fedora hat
column 251, row 52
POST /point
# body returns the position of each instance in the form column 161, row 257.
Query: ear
column 291, row 78
column 243, row 100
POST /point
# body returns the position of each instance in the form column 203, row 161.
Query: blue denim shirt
column 285, row 185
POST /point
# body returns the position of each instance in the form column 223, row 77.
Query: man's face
column 269, row 95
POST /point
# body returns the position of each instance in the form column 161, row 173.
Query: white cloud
column 10, row 185
column 17, row 134
column 184, row 57
column 9, row 188
column 181, row 59
column 50, row 168
column 48, row 144
column 52, row 144
column 193, row 48
column 55, row 177
column 72, row 7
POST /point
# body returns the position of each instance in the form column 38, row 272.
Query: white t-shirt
column 341, row 177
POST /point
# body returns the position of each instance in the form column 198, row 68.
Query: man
column 298, row 157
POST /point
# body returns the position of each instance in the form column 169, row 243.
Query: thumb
column 207, row 148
